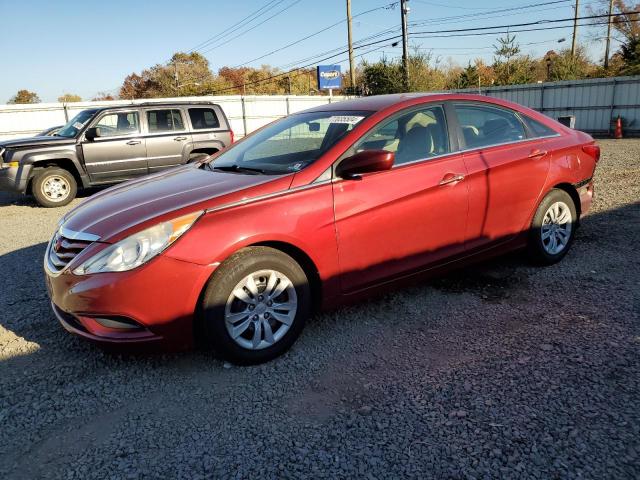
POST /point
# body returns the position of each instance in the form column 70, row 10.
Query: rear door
column 119, row 152
column 167, row 138
column 406, row 219
column 506, row 171
column 208, row 128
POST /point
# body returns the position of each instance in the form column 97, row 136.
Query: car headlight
column 138, row 248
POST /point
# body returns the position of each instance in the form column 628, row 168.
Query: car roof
column 381, row 102
column 156, row 104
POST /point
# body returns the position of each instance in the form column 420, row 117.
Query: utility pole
column 175, row 74
column 606, row 50
column 352, row 70
column 404, row 10
column 575, row 28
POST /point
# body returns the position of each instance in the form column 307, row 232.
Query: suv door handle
column 133, row 142
column 537, row 153
column 451, row 178
column 180, row 139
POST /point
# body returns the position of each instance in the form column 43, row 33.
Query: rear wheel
column 255, row 305
column 553, row 228
column 54, row 187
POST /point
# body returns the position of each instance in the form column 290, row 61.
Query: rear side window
column 484, row 126
column 202, row 118
column 538, row 129
column 164, row 120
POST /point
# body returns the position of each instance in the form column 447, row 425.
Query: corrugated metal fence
column 594, row 102
column 246, row 114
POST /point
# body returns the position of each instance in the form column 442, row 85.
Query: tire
column 54, row 187
column 222, row 311
column 554, row 209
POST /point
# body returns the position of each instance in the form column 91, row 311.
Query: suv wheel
column 54, row 187
column 255, row 305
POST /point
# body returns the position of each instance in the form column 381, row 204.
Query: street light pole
column 404, row 10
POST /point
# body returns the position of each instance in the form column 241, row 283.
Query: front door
column 409, row 218
column 167, row 138
column 119, row 152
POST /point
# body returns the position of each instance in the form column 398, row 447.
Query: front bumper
column 11, row 179
column 159, row 299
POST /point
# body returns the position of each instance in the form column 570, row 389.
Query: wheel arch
column 305, row 262
column 573, row 193
column 64, row 163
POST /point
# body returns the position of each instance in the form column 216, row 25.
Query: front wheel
column 553, row 228
column 54, row 187
column 255, row 305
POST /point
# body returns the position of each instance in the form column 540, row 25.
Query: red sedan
column 318, row 208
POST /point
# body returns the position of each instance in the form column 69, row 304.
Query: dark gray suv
column 111, row 144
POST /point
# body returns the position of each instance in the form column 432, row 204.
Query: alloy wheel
column 261, row 309
column 55, row 188
column 556, row 228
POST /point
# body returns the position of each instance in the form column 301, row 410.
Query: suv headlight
column 138, row 248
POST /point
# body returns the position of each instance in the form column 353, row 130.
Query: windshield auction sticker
column 350, row 119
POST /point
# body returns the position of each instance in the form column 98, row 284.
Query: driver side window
column 120, row 123
column 416, row 135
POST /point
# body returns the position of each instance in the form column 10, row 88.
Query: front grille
column 62, row 250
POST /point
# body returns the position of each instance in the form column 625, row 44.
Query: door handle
column 537, row 153
column 451, row 178
column 133, row 142
column 180, row 139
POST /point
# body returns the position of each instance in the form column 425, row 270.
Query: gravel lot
column 497, row 371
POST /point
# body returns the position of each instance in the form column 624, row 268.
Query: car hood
column 111, row 213
column 36, row 142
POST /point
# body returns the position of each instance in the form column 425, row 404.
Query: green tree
column 504, row 53
column 382, row 77
column 630, row 53
column 565, row 66
column 69, row 97
column 25, row 96
column 469, row 77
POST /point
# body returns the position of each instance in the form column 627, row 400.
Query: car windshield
column 290, row 144
column 76, row 124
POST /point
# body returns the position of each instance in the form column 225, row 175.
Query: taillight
column 232, row 136
column 592, row 150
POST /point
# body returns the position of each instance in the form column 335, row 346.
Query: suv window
column 120, row 123
column 483, row 125
column 164, row 120
column 415, row 135
column 539, row 129
column 203, row 118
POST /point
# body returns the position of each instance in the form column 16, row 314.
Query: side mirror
column 92, row 133
column 367, row 161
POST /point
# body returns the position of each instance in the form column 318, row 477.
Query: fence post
column 542, row 97
column 66, row 113
column 244, row 116
column 287, row 102
column 612, row 106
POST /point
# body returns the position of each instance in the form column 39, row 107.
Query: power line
column 450, row 33
column 248, row 19
column 250, row 29
column 295, row 42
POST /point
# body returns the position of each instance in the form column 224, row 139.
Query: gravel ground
column 497, row 371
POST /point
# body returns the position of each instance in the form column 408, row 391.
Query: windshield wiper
column 236, row 168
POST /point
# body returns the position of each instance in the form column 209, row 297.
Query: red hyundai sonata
column 313, row 210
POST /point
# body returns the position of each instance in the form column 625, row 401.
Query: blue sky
column 83, row 47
